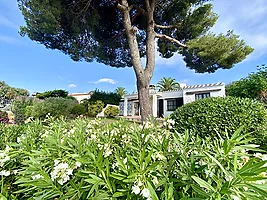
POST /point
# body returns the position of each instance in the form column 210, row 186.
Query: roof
column 81, row 94
column 198, row 86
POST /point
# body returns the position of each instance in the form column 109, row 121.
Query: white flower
column 56, row 162
column 15, row 172
column 260, row 182
column 258, row 155
column 139, row 183
column 264, row 157
column 18, row 140
column 164, row 123
column 93, row 136
column 78, row 164
column 61, row 172
column 4, row 173
column 160, row 156
column 3, row 158
column 125, row 160
column 72, row 131
column 235, row 197
column 145, row 193
column 136, row 189
column 155, row 180
column 38, row 176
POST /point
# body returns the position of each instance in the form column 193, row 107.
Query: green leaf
column 203, row 183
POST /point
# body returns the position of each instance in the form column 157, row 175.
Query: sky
column 26, row 64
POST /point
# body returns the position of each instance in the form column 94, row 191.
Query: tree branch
column 165, row 27
column 170, row 39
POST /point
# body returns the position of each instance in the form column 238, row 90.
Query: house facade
column 164, row 103
column 81, row 96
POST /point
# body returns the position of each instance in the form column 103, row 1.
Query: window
column 202, row 96
column 171, row 105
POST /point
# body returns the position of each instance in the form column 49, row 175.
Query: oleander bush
column 210, row 116
column 82, row 159
column 111, row 111
column 94, row 108
column 55, row 106
column 78, row 109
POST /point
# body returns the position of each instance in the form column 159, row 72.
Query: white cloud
column 72, row 85
column 105, row 80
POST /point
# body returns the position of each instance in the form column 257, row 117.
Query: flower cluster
column 136, row 189
column 169, row 123
column 3, row 159
column 61, row 172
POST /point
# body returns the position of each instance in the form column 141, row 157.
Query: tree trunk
column 143, row 76
column 143, row 96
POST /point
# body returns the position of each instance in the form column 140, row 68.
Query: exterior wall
column 169, row 95
column 188, row 98
column 81, row 97
column 188, row 94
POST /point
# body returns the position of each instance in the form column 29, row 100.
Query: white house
column 164, row 103
column 81, row 96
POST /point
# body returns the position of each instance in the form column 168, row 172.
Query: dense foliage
column 4, row 117
column 95, row 107
column 253, row 86
column 78, row 109
column 209, row 116
column 55, row 106
column 8, row 92
column 106, row 97
column 111, row 111
column 83, row 159
column 19, row 108
column 52, row 93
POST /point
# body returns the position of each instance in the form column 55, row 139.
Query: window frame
column 203, row 95
column 171, row 107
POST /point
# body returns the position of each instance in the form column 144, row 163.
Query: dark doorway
column 160, row 108
column 179, row 102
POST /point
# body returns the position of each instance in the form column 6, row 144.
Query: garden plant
column 87, row 159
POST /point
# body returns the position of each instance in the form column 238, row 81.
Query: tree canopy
column 8, row 92
column 93, row 30
column 253, row 86
column 52, row 93
column 166, row 84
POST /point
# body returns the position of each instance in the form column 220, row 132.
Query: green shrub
column 94, row 108
column 19, row 108
column 106, row 97
column 56, row 106
column 52, row 93
column 208, row 116
column 78, row 110
column 111, row 111
column 4, row 117
column 81, row 159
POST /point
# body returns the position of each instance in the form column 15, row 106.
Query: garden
column 210, row 149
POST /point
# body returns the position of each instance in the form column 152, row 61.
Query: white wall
column 82, row 97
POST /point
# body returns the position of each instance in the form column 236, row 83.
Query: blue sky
column 26, row 64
